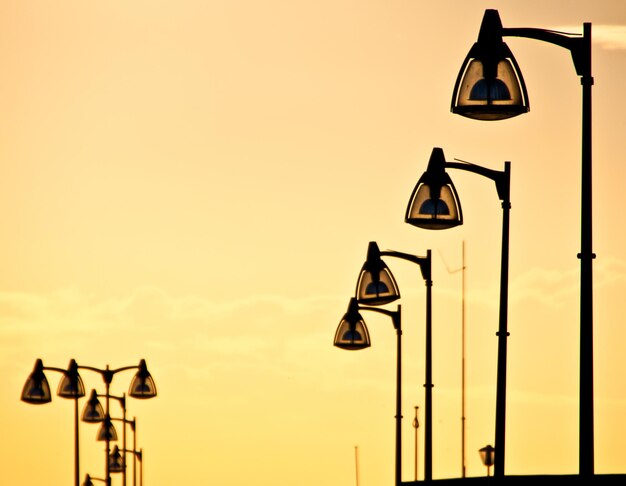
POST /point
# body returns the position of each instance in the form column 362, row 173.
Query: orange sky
column 195, row 183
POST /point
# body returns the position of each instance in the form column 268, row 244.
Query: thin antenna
column 356, row 463
column 463, row 267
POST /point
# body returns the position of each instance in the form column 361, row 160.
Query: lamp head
column 487, row 454
column 352, row 332
column 376, row 284
column 143, row 385
column 116, row 462
column 434, row 203
column 490, row 85
column 93, row 411
column 107, row 431
column 36, row 389
column 71, row 386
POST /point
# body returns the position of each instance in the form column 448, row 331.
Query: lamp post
column 416, row 425
column 94, row 413
column 37, row 391
column 434, row 204
column 487, row 454
column 142, row 386
column 117, row 462
column 352, row 334
column 490, row 86
column 376, row 286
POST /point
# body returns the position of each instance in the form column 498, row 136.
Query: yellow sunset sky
column 195, row 183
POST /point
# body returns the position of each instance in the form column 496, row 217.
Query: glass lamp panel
column 107, row 432
column 36, row 389
column 377, row 287
column 116, row 462
column 93, row 411
column 490, row 98
column 71, row 386
column 425, row 211
column 142, row 386
column 352, row 336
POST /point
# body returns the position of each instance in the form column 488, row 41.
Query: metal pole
column 428, row 431
column 76, row 445
column 586, row 256
column 399, row 399
column 502, row 332
column 463, row 362
column 416, row 425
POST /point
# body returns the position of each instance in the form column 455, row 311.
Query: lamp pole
column 352, row 334
column 489, row 51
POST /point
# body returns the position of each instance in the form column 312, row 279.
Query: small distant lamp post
column 416, row 425
column 490, row 86
column 352, row 335
column 434, row 204
column 376, row 286
column 487, row 455
column 36, row 391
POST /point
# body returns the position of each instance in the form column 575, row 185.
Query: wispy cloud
column 610, row 37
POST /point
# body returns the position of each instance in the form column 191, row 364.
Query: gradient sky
column 195, row 183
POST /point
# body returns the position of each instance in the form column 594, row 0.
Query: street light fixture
column 490, row 51
column 376, row 286
column 89, row 481
column 429, row 186
column 487, row 454
column 36, row 391
column 117, row 461
column 352, row 335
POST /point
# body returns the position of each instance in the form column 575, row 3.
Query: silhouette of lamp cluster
column 490, row 86
column 36, row 391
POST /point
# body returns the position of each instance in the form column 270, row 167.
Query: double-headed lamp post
column 490, row 86
column 36, row 391
column 377, row 286
column 352, row 334
column 435, row 204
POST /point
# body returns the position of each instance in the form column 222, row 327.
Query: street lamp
column 37, row 391
column 352, row 335
column 94, row 413
column 487, row 454
column 376, row 286
column 142, row 386
column 491, row 64
column 435, row 189
column 416, row 425
column 117, row 462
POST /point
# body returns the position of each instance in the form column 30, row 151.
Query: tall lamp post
column 490, row 86
column 142, row 386
column 352, row 334
column 434, row 204
column 36, row 391
column 377, row 286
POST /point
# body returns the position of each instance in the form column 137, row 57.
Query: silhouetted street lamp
column 352, row 334
column 377, row 286
column 434, row 204
column 117, row 461
column 37, row 391
column 490, row 86
column 487, row 454
column 142, row 386
column 416, row 425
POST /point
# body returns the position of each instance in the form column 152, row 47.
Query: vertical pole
column 428, row 411
column 502, row 331
column 76, row 446
column 356, row 463
column 463, row 361
column 586, row 256
column 416, row 424
column 398, row 326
